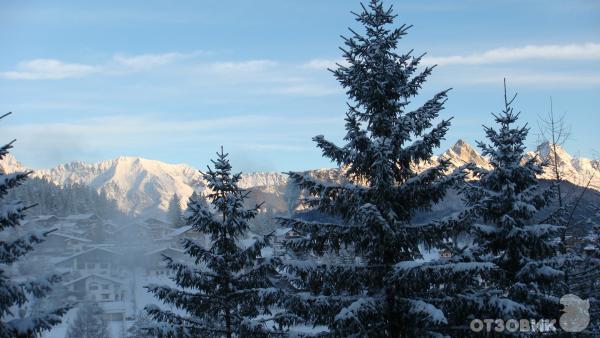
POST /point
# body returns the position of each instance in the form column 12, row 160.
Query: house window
column 90, row 265
column 105, row 296
column 104, row 286
column 104, row 265
column 93, row 287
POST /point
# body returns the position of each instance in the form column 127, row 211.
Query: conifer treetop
column 227, row 290
column 371, row 211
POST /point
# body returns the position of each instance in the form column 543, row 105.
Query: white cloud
column 149, row 61
column 52, row 69
column 540, row 79
column 322, row 64
column 251, row 66
column 49, row 69
column 586, row 51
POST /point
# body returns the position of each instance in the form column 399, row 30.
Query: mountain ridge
column 144, row 187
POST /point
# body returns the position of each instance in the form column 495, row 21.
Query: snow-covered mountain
column 577, row 170
column 10, row 164
column 462, row 153
column 144, row 187
column 140, row 186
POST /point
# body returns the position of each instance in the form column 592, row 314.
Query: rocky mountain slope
column 144, row 187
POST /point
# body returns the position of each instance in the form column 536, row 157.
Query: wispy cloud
column 149, row 61
column 52, row 69
column 586, row 51
column 250, row 66
column 539, row 79
column 321, row 64
column 48, row 69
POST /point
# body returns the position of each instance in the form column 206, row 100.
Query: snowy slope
column 144, row 187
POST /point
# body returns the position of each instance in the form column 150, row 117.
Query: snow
column 354, row 309
column 179, row 231
column 435, row 315
column 60, row 234
column 60, row 330
column 87, row 251
column 80, row 217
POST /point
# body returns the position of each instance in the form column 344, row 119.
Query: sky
column 175, row 80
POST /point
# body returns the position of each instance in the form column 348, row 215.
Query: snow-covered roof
column 45, row 217
column 282, row 231
column 60, row 234
column 163, row 249
column 81, row 217
column 180, row 231
column 85, row 252
column 95, row 276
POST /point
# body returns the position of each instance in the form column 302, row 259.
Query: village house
column 47, row 221
column 175, row 236
column 281, row 235
column 96, row 260
column 155, row 263
column 96, row 287
column 155, row 228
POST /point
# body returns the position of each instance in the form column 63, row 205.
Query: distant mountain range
column 143, row 187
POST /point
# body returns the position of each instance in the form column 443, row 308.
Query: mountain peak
column 9, row 164
column 462, row 147
column 546, row 150
column 462, row 152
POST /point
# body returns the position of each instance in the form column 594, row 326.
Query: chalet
column 46, row 220
column 155, row 263
column 175, row 236
column 83, row 219
column 96, row 260
column 155, row 228
column 280, row 235
column 96, row 287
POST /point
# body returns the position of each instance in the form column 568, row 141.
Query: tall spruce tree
column 174, row 212
column 390, row 291
column 15, row 319
column 506, row 202
column 228, row 291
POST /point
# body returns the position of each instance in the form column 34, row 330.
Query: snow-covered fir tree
column 16, row 320
column 64, row 200
column 228, row 291
column 89, row 322
column 174, row 212
column 584, row 277
column 142, row 327
column 506, row 201
column 390, row 290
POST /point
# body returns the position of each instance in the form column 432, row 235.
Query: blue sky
column 174, row 80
